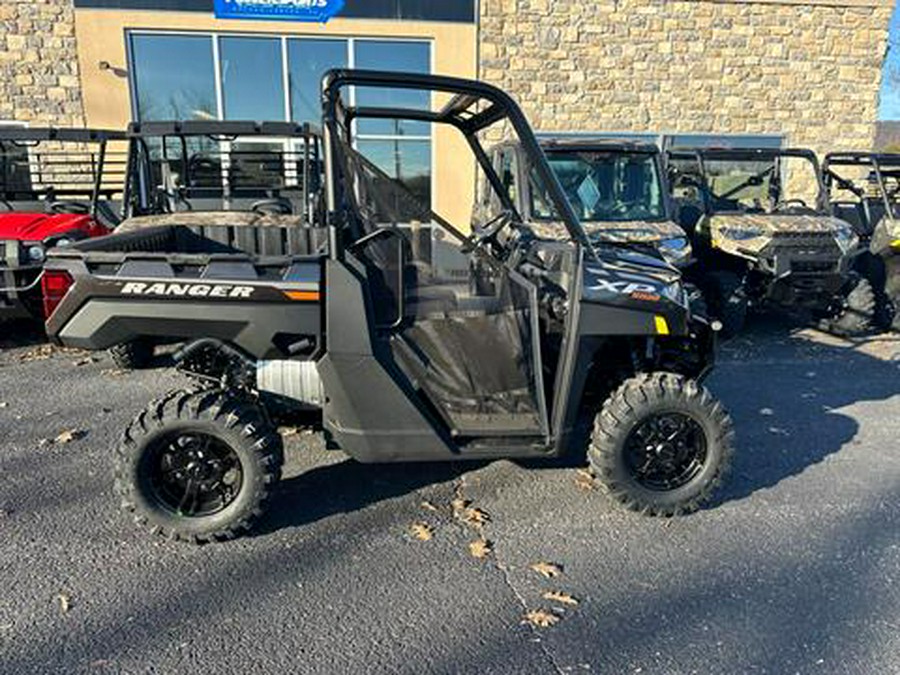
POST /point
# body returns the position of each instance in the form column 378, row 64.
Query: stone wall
column 39, row 80
column 808, row 69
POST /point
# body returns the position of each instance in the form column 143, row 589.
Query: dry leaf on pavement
column 545, row 569
column 69, row 435
column 3, row 404
column 459, row 504
column 64, row 602
column 428, row 506
column 584, row 480
column 480, row 548
column 559, row 596
column 422, row 531
column 540, row 618
column 476, row 517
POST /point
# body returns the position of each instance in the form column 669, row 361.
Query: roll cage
column 473, row 107
column 30, row 174
column 704, row 155
column 883, row 165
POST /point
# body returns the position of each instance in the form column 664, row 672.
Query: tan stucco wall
column 810, row 69
column 38, row 66
column 101, row 37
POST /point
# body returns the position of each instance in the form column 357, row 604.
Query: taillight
column 54, row 285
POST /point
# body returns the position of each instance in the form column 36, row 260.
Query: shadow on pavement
column 21, row 333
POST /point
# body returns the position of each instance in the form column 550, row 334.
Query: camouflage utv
column 616, row 188
column 764, row 236
column 864, row 190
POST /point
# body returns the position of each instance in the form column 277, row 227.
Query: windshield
column 765, row 185
column 606, row 186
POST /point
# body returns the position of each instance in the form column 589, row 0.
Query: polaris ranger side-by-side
column 763, row 233
column 616, row 187
column 864, row 190
column 248, row 186
column 57, row 186
column 405, row 363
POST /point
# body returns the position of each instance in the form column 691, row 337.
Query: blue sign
column 278, row 10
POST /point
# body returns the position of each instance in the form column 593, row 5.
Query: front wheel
column 198, row 465
column 857, row 312
column 661, row 445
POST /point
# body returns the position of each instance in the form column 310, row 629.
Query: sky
column 890, row 89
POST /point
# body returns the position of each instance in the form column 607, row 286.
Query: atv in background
column 764, row 234
column 616, row 187
column 248, row 186
column 404, row 362
column 57, row 186
column 864, row 190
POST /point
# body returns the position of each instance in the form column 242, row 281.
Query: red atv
column 57, row 186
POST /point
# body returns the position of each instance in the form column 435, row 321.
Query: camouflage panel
column 212, row 218
column 769, row 225
column 886, row 237
column 633, row 231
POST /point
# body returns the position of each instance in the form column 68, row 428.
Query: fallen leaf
column 65, row 602
column 584, row 480
column 545, row 569
column 480, row 548
column 69, row 435
column 459, row 504
column 85, row 361
column 559, row 596
column 114, row 372
column 540, row 618
column 428, row 506
column 4, row 404
column 422, row 531
column 587, row 474
column 476, row 517
column 289, row 431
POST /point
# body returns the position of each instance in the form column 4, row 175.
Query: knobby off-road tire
column 858, row 313
column 198, row 465
column 133, row 355
column 631, row 432
column 727, row 301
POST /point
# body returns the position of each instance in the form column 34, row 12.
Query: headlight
column 36, row 253
column 740, row 233
column 846, row 238
column 675, row 251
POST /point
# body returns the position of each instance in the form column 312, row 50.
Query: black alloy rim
column 666, row 451
column 194, row 474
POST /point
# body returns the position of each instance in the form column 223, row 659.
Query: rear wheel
column 198, row 465
column 727, row 301
column 857, row 312
column 132, row 355
column 661, row 444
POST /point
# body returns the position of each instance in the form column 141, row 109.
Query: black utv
column 404, row 362
column 764, row 234
column 864, row 190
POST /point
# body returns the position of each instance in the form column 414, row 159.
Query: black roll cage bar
column 457, row 112
column 702, row 155
column 875, row 160
column 28, row 137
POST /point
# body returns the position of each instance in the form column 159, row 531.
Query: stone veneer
column 808, row 69
column 39, row 80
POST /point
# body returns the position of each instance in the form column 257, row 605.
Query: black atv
column 405, row 363
column 764, row 235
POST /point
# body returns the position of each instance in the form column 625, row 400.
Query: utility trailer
column 57, row 186
column 403, row 362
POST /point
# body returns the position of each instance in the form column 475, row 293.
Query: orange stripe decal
column 303, row 296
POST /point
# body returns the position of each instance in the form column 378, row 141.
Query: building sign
column 278, row 10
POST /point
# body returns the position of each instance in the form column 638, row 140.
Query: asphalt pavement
column 795, row 568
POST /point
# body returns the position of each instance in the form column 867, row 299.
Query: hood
column 630, row 231
column 18, row 226
column 771, row 225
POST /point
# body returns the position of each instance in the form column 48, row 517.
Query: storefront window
column 410, row 161
column 252, row 85
column 408, row 57
column 164, row 87
column 308, row 60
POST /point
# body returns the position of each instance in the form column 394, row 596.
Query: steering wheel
column 278, row 206
column 78, row 208
column 487, row 232
column 789, row 202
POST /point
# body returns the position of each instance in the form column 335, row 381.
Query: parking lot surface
column 796, row 568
